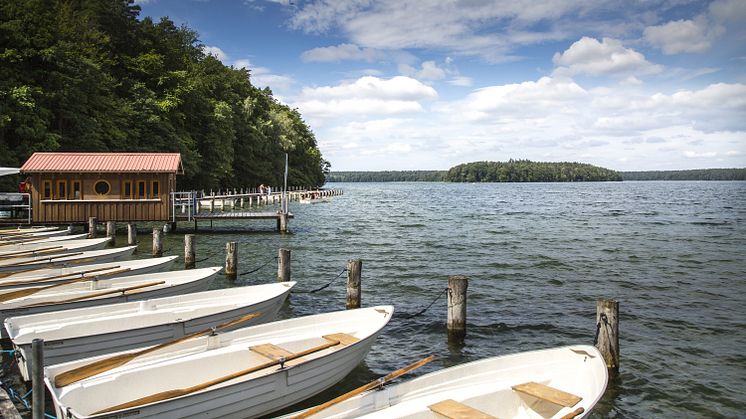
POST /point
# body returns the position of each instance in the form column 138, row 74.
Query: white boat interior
column 47, row 276
column 55, row 246
column 546, row 383
column 90, row 256
column 208, row 359
column 113, row 318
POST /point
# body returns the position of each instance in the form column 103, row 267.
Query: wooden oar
column 362, row 389
column 97, row 367
column 574, row 413
column 25, row 292
column 5, row 242
column 44, row 279
column 64, row 255
column 96, row 294
column 19, row 253
column 170, row 394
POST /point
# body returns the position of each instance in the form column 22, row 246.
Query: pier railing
column 15, row 208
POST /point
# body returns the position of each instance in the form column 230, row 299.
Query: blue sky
column 417, row 84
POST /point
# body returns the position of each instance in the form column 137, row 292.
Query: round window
column 102, row 187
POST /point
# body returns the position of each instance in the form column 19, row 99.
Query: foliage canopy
column 88, row 75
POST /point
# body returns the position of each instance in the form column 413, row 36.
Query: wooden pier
column 239, row 205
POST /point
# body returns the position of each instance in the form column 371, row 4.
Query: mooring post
column 37, row 379
column 131, row 234
column 157, row 241
column 189, row 254
column 456, row 324
column 91, row 227
column 354, row 289
column 282, row 224
column 283, row 265
column 70, row 229
column 231, row 260
column 111, row 231
column 607, row 330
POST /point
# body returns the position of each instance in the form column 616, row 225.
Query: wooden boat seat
column 455, row 410
column 547, row 393
column 343, row 338
column 270, row 351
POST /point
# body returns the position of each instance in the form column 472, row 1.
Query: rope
column 411, row 316
column 598, row 328
column 254, row 270
column 210, row 255
column 322, row 287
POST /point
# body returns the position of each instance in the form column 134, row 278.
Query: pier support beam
column 157, row 242
column 37, row 379
column 607, row 329
column 456, row 324
column 354, row 288
column 91, row 227
column 131, row 234
column 111, row 231
column 189, row 253
column 231, row 260
column 283, row 265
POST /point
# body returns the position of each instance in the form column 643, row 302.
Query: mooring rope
column 254, row 270
column 322, row 287
column 605, row 320
column 419, row 313
column 210, row 255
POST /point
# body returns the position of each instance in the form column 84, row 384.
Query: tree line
column 90, row 75
column 696, row 174
column 388, row 176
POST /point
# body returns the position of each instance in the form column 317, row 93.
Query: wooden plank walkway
column 237, row 215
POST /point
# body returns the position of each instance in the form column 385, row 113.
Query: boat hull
column 486, row 385
column 64, row 246
column 238, row 398
column 136, row 267
column 12, row 309
column 65, row 349
column 92, row 256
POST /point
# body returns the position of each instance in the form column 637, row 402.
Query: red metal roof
column 103, row 162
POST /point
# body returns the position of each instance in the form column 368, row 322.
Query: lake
column 537, row 256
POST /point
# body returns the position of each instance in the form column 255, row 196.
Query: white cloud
column 366, row 96
column 461, row 81
column 428, row 71
column 215, row 52
column 679, row 36
column 695, row 154
column 342, row 52
column 264, row 77
column 728, row 11
column 608, row 57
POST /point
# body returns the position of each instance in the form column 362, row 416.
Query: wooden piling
column 37, row 378
column 157, row 241
column 354, row 289
column 231, row 260
column 607, row 328
column 283, row 265
column 456, row 324
column 111, row 231
column 189, row 253
column 91, row 227
column 131, row 234
column 282, row 222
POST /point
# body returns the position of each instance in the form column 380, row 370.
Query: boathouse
column 71, row 187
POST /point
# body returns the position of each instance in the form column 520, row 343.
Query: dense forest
column 90, row 75
column 388, row 176
column 529, row 171
column 698, row 174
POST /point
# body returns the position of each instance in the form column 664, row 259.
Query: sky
column 427, row 85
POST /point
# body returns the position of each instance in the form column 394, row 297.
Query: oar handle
column 169, row 394
column 94, row 368
column 574, row 413
column 371, row 385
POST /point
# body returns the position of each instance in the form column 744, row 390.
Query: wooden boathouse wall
column 73, row 197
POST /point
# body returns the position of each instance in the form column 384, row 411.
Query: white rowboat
column 39, row 235
column 538, row 384
column 54, row 247
column 48, row 276
column 108, row 291
column 29, row 230
column 29, row 263
column 44, row 239
column 86, row 332
column 245, row 373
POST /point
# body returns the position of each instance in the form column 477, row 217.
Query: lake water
column 537, row 256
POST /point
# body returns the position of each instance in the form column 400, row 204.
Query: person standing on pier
column 261, row 189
